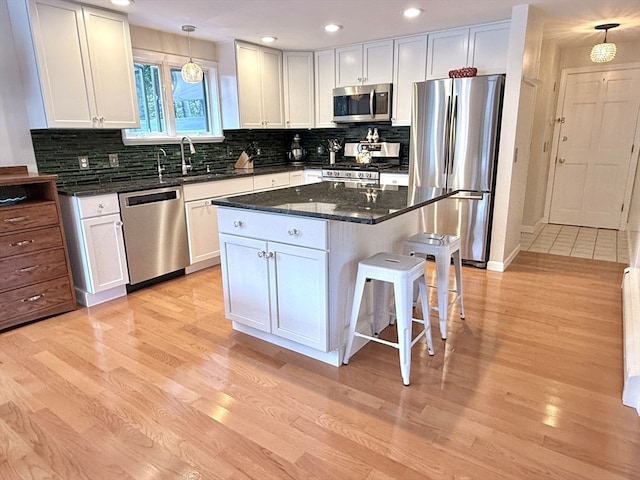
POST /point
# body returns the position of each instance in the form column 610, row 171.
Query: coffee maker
column 297, row 154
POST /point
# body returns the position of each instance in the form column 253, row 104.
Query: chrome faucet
column 160, row 167
column 192, row 150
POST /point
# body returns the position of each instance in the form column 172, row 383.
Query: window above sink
column 169, row 107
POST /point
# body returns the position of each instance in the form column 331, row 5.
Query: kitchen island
column 289, row 257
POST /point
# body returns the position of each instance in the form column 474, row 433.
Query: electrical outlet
column 83, row 161
column 113, row 159
column 229, row 152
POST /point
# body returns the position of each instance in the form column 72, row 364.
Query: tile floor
column 584, row 242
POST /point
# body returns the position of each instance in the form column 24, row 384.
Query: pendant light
column 191, row 72
column 604, row 52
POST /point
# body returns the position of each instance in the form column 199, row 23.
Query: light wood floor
column 158, row 386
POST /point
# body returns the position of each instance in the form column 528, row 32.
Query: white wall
column 15, row 137
column 157, row 41
column 525, row 39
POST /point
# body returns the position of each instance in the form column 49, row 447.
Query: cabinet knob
column 101, row 206
column 561, row 160
column 237, row 223
column 119, row 224
column 294, row 231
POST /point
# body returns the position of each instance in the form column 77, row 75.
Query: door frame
column 633, row 164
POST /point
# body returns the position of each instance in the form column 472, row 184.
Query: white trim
column 631, row 337
column 533, row 228
column 502, row 266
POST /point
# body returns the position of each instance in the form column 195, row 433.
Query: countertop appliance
column 155, row 232
column 362, row 103
column 454, row 144
column 363, row 168
column 297, row 154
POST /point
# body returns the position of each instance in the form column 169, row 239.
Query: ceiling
column 298, row 23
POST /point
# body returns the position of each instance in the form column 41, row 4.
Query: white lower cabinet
column 312, row 175
column 96, row 247
column 271, row 181
column 394, row 179
column 272, row 286
column 202, row 218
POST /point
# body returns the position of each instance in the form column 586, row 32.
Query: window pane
column 148, row 89
column 190, row 104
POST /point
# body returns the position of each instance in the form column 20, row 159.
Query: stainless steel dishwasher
column 155, row 232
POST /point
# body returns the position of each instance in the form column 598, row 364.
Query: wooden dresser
column 35, row 274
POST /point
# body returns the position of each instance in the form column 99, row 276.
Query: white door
column 599, row 112
column 298, row 87
column 271, row 83
column 325, row 81
column 104, row 247
column 349, row 66
column 298, row 282
column 249, row 86
column 410, row 60
column 377, row 62
column 245, row 281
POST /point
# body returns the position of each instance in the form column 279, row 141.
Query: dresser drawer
column 21, row 270
column 304, row 232
column 35, row 301
column 15, row 218
column 98, row 205
column 30, row 241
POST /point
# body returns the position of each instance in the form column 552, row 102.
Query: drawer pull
column 294, row 231
column 261, row 253
column 27, row 269
column 22, row 243
column 34, row 298
column 237, row 223
column 15, row 219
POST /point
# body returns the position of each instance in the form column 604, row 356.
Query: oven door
column 364, row 103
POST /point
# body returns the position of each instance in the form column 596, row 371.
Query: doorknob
column 561, row 160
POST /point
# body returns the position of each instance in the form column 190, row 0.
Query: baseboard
column 532, row 228
column 202, row 265
column 90, row 299
column 631, row 337
column 502, row 266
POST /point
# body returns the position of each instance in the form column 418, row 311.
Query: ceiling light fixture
column 605, row 51
column 412, row 12
column 332, row 27
column 269, row 39
column 191, row 72
column 122, row 2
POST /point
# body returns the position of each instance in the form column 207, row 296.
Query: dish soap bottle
column 375, row 137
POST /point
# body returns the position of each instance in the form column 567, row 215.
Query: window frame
column 165, row 62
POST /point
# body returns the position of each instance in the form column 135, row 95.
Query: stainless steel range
column 363, row 163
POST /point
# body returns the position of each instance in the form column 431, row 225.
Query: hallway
column 582, row 242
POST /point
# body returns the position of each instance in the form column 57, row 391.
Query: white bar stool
column 402, row 271
column 443, row 248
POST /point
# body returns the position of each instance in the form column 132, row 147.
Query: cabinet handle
column 237, row 224
column 15, row 219
column 27, row 269
column 294, row 231
column 100, row 206
column 261, row 253
column 119, row 224
column 34, row 298
column 22, row 243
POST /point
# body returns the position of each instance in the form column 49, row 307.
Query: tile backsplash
column 57, row 151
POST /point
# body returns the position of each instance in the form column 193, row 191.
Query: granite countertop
column 148, row 183
column 339, row 201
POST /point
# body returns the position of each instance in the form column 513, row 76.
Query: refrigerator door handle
column 372, row 96
column 447, row 143
column 452, row 136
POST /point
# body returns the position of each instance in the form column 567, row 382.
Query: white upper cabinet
column 76, row 63
column 447, row 51
column 367, row 63
column 298, row 89
column 488, row 45
column 410, row 64
column 325, row 82
column 259, row 86
column 483, row 46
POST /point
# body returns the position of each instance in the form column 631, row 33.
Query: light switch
column 83, row 161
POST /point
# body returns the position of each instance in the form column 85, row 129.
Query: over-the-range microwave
column 362, row 103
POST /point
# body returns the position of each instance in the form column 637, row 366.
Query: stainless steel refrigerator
column 454, row 143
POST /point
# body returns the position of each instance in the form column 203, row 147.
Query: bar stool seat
column 402, row 271
column 443, row 248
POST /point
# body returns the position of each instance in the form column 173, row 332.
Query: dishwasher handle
column 151, row 196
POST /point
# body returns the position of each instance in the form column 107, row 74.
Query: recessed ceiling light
column 121, row 2
column 269, row 39
column 332, row 27
column 412, row 12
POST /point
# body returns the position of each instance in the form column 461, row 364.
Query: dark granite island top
column 339, row 201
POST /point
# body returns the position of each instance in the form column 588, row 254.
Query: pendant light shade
column 605, row 51
column 191, row 71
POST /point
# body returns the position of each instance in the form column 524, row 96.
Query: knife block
column 244, row 162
